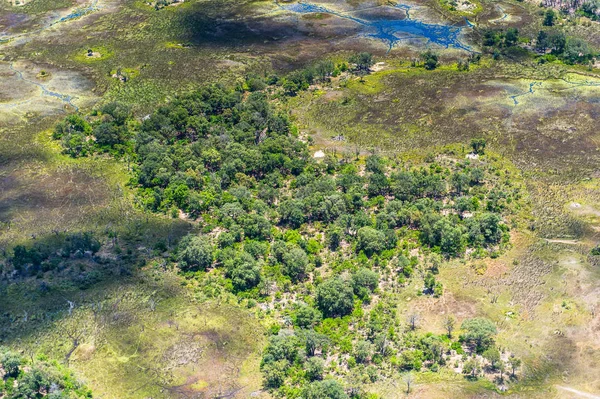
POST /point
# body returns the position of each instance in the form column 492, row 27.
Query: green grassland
column 145, row 336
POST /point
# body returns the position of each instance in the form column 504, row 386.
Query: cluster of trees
column 367, row 211
column 322, row 71
column 498, row 38
column 188, row 151
column 571, row 50
column 22, row 379
column 430, row 60
column 295, row 360
column 319, row 72
column 109, row 131
column 590, row 9
column 479, row 336
column 160, row 4
column 214, row 153
column 43, row 257
column 272, row 218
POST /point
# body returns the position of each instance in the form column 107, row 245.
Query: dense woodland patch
column 37, row 378
column 322, row 246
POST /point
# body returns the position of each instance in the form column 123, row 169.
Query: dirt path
column 578, row 394
column 563, row 241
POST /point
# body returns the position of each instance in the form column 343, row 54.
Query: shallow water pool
column 393, row 29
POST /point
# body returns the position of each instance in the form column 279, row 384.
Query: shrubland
column 325, row 253
column 321, row 246
column 37, row 378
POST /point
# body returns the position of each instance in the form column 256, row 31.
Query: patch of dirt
column 19, row 3
column 578, row 393
column 183, row 353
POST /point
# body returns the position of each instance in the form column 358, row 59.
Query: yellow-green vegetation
column 467, row 8
column 93, row 54
column 328, row 250
column 147, row 328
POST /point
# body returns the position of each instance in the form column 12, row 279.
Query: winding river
column 536, row 85
column 74, row 14
column 65, row 98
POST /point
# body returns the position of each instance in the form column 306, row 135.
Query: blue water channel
column 80, row 12
column 76, row 13
column 391, row 30
column 534, row 85
column 531, row 90
column 45, row 91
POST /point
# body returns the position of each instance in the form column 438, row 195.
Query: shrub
column 335, row 298
column 364, row 281
column 479, row 332
column 274, row 374
column 314, row 368
column 295, row 262
column 362, row 351
column 328, row 389
column 306, row 317
column 195, row 253
column 243, row 271
column 370, row 241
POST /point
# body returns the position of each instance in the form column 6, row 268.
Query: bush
column 82, row 242
column 280, row 348
column 328, row 389
column 478, row 145
column 314, row 368
column 295, row 262
column 274, row 374
column 10, row 362
column 479, row 332
column 362, row 351
column 255, row 248
column 23, row 256
column 362, row 61
column 243, row 271
column 492, row 355
column 307, row 317
column 334, row 237
column 370, row 241
column 335, row 298
column 549, row 17
column 364, row 281
column 195, row 253
column 430, row 60
column 411, row 359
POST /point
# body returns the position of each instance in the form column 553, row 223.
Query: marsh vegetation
column 340, row 200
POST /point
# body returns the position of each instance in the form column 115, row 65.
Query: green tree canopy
column 364, row 281
column 370, row 240
column 295, row 262
column 335, row 297
column 195, row 253
column 307, row 317
column 327, row 389
column 479, row 332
